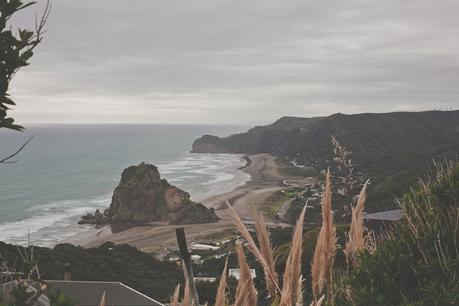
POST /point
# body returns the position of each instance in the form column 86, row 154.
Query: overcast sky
column 242, row 62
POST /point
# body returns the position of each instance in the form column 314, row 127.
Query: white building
column 205, row 279
column 236, row 273
column 197, row 259
column 203, row 247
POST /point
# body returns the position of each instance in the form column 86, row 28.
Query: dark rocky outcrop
column 143, row 197
column 211, row 144
column 97, row 218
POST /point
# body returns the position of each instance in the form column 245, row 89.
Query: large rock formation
column 142, row 197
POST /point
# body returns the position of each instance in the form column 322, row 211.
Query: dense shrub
column 109, row 262
column 418, row 264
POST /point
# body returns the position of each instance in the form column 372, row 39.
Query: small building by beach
column 205, row 279
column 236, row 273
column 203, row 247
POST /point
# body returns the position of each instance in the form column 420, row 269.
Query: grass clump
column 415, row 263
column 418, row 262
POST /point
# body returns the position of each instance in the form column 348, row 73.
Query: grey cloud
column 238, row 61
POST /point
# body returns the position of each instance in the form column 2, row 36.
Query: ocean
column 69, row 170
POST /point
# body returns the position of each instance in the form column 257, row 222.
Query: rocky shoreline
column 142, row 197
column 155, row 236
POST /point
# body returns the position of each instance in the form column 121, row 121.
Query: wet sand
column 265, row 179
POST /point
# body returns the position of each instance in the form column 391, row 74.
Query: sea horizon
column 72, row 169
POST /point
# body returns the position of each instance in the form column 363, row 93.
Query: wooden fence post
column 186, row 262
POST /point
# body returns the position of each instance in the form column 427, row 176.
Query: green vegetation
column 272, row 204
column 415, row 262
column 412, row 266
column 57, row 298
column 314, row 212
column 286, row 169
column 385, row 147
column 23, row 297
column 418, row 263
column 108, row 262
column 221, row 235
column 15, row 52
column 16, row 49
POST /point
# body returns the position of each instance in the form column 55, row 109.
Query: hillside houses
column 200, row 251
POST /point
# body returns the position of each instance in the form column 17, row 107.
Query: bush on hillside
column 418, row 263
column 109, row 262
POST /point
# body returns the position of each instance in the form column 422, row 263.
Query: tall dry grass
column 187, row 296
column 343, row 160
column 356, row 241
column 292, row 290
column 102, row 300
column 325, row 251
column 246, row 294
column 220, row 299
column 266, row 251
column 291, row 293
column 317, row 302
column 317, row 275
column 431, row 217
column 265, row 258
column 176, row 296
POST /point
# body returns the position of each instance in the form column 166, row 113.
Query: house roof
column 389, row 215
column 89, row 293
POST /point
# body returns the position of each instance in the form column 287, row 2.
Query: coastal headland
column 155, row 237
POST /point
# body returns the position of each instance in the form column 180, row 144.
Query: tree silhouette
column 16, row 49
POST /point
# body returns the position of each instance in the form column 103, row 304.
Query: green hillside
column 385, row 147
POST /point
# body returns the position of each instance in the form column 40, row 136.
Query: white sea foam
column 45, row 227
column 202, row 175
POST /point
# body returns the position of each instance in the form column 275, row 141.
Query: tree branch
column 7, row 160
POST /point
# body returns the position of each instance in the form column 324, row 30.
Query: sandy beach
column 265, row 179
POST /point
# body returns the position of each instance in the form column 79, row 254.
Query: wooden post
column 186, row 262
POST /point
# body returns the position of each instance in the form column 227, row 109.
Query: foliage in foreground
column 108, row 262
column 15, row 52
column 418, row 263
column 286, row 290
column 16, row 49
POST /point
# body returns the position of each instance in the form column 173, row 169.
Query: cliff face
column 142, row 197
column 210, row 144
column 391, row 148
column 370, row 136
